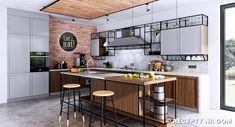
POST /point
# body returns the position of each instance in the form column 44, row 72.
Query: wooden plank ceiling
column 90, row 9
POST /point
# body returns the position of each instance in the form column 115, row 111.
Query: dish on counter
column 159, row 77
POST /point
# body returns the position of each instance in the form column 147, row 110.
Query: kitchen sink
column 95, row 72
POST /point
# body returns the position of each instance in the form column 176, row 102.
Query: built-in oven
column 39, row 61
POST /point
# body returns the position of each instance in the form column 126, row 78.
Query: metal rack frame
column 188, row 21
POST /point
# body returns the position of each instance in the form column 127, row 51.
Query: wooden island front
column 129, row 99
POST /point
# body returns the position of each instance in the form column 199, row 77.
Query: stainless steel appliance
column 39, row 61
column 79, row 60
column 97, row 48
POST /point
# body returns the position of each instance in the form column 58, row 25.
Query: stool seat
column 103, row 93
column 71, row 86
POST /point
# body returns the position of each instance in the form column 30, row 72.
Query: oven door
column 39, row 62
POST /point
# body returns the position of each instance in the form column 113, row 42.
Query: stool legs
column 92, row 109
column 61, row 108
column 80, row 105
column 102, row 112
column 74, row 104
column 114, row 111
column 68, row 107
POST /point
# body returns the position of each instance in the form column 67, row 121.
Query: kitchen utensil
column 169, row 67
column 158, row 89
column 156, row 65
column 159, row 117
column 159, row 77
column 158, row 96
column 159, row 109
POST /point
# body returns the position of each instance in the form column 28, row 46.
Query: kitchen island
column 132, row 95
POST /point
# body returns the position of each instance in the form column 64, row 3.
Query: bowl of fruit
column 76, row 70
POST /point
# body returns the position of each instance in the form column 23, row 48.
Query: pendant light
column 147, row 7
column 151, row 26
column 107, row 17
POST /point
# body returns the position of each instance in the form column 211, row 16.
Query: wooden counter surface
column 140, row 81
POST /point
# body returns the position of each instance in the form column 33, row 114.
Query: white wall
column 3, row 55
column 210, row 8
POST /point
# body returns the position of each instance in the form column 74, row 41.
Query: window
column 228, row 57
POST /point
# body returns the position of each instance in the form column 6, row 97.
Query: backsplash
column 82, row 33
column 125, row 57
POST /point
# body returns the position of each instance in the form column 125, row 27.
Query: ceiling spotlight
column 107, row 17
column 73, row 20
column 147, row 7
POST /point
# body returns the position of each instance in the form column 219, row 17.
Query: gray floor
column 44, row 112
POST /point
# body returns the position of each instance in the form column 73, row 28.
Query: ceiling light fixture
column 107, row 17
column 73, row 20
column 147, row 7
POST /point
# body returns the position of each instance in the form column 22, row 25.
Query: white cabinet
column 170, row 41
column 188, row 40
column 19, row 85
column 40, row 27
column 194, row 40
column 40, row 44
column 19, row 53
column 19, row 25
column 40, row 83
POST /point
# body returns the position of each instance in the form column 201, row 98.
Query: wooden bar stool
column 70, row 87
column 103, row 94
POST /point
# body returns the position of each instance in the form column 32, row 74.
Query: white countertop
column 95, row 76
column 176, row 73
column 60, row 69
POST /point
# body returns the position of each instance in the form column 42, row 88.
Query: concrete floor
column 44, row 112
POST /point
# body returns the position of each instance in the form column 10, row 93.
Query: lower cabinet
column 28, row 84
column 54, row 83
column 40, row 83
column 19, row 85
column 186, row 91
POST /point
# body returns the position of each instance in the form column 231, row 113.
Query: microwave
column 39, row 62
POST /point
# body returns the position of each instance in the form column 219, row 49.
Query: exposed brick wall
column 81, row 31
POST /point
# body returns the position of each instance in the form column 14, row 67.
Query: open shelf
column 169, row 119
column 148, row 97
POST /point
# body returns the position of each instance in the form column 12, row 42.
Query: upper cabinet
column 170, row 41
column 193, row 40
column 19, row 25
column 19, row 52
column 184, row 41
column 39, row 44
column 40, row 27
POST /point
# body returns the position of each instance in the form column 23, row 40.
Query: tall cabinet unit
column 26, row 32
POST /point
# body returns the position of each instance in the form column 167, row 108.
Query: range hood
column 127, row 38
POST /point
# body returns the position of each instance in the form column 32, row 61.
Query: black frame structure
column 156, row 28
column 222, row 59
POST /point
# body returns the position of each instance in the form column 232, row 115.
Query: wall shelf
column 192, row 57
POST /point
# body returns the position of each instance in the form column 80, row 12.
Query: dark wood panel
column 67, row 79
column 187, row 91
column 126, row 96
column 169, row 86
column 96, row 84
column 54, row 81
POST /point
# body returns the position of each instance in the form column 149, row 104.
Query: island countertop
column 140, row 81
column 101, row 76
column 117, row 77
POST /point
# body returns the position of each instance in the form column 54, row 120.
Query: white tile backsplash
column 125, row 57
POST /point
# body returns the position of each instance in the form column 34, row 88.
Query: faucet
column 87, row 64
column 132, row 66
